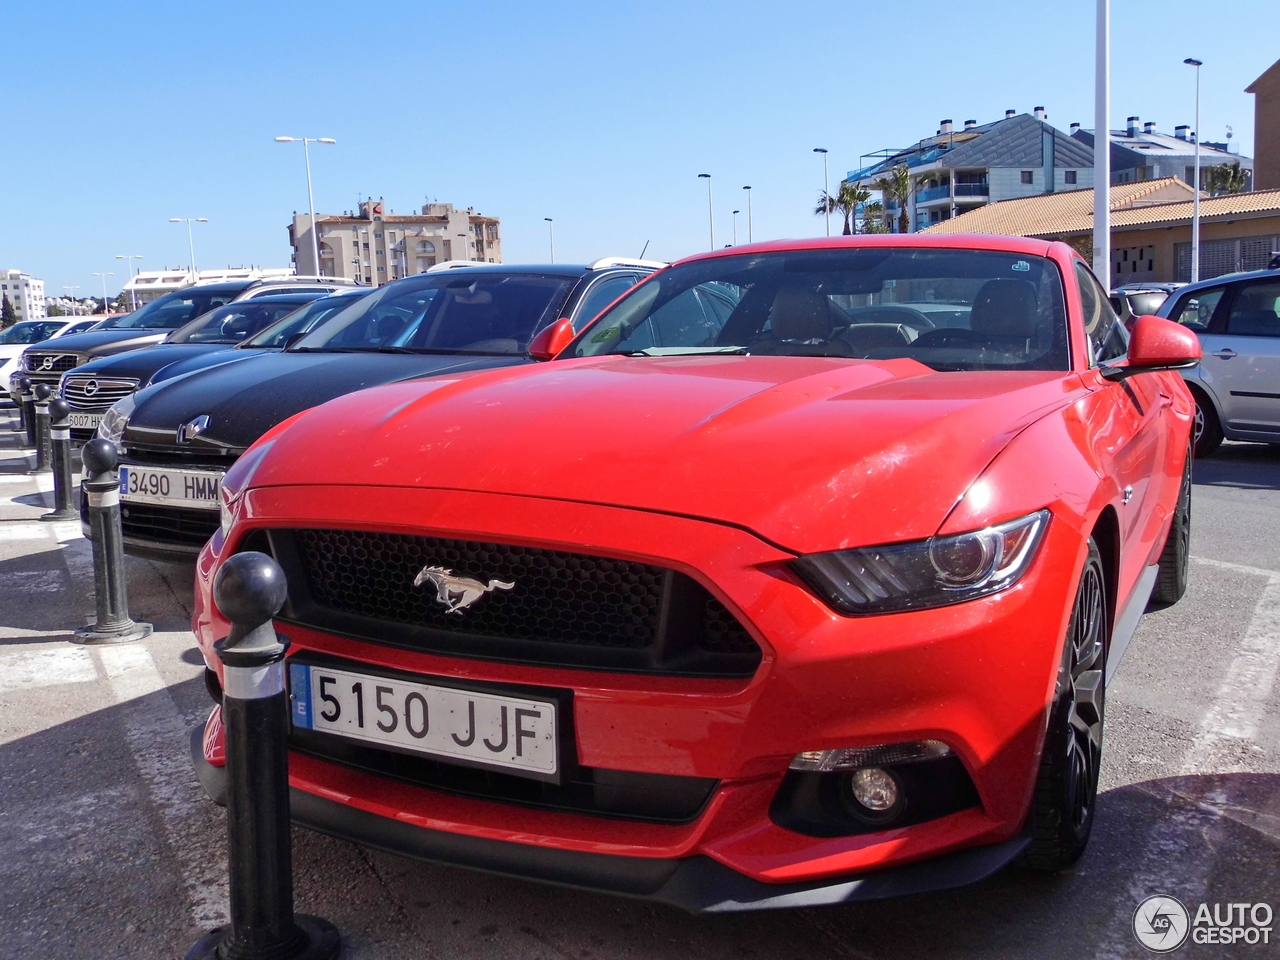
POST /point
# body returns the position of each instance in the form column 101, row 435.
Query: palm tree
column 1225, row 178
column 896, row 186
column 845, row 202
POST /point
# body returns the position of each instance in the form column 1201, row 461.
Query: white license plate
column 514, row 733
column 85, row 421
column 175, row 488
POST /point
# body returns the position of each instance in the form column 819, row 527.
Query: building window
column 1069, row 177
column 1026, row 176
column 426, row 246
column 377, row 236
column 382, row 269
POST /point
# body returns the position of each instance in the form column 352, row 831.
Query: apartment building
column 25, row 292
column 1140, row 152
column 375, row 245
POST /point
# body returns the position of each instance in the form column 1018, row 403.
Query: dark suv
column 177, row 438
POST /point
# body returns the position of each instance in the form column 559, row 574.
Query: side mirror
column 551, row 340
column 1157, row 344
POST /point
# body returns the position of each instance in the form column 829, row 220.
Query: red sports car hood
column 809, row 452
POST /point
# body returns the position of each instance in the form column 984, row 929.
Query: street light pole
column 74, row 286
column 552, row 228
column 128, row 262
column 311, row 203
column 1102, row 147
column 1195, row 200
column 751, row 233
column 826, row 187
column 735, row 227
column 104, row 276
column 195, row 274
column 711, row 213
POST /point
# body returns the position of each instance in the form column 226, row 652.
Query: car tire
column 1206, row 430
column 1062, row 807
column 1175, row 558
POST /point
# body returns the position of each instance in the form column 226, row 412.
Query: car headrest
column 800, row 315
column 1005, row 308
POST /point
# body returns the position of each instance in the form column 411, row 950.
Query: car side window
column 1195, row 310
column 1107, row 338
column 599, row 296
column 1253, row 311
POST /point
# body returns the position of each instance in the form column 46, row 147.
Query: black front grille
column 527, row 604
column 59, row 363
column 195, row 457
column 171, row 525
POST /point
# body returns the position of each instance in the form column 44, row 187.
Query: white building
column 146, row 285
column 25, row 292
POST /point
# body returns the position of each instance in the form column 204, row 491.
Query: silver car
column 1237, row 384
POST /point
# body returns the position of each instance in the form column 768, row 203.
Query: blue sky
column 121, row 116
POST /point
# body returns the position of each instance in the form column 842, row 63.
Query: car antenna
column 642, row 250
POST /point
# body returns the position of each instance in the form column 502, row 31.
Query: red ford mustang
column 796, row 579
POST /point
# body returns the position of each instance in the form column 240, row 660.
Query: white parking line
column 158, row 740
column 34, row 666
column 24, row 531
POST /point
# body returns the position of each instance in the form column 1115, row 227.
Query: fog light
column 875, row 789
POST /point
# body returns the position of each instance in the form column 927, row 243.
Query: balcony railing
column 973, row 189
column 932, row 193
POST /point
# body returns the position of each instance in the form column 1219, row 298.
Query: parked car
column 26, row 332
column 152, row 323
column 187, row 432
column 1237, row 384
column 1135, row 300
column 734, row 609
column 93, row 387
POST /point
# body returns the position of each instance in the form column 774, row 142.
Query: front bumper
column 977, row 676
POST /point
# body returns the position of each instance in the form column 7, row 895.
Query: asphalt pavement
column 108, row 847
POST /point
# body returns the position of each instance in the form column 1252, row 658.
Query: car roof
column 1231, row 278
column 276, row 298
column 951, row 241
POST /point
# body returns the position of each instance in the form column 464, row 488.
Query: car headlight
column 925, row 573
column 116, row 419
column 236, row 481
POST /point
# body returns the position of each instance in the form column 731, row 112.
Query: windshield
column 170, row 311
column 300, row 321
column 31, row 331
column 234, row 322
column 489, row 313
column 948, row 309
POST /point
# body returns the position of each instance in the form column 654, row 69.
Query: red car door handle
column 1226, row 353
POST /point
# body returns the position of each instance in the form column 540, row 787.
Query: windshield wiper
column 686, row 351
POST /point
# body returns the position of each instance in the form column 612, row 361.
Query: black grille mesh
column 558, row 597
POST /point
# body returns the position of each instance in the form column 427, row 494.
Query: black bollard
column 102, row 488
column 44, row 453
column 27, row 408
column 249, row 590
column 60, row 444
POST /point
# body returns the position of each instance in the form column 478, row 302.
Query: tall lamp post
column 735, row 227
column 1102, row 147
column 311, row 204
column 750, row 225
column 466, row 246
column 356, row 262
column 71, row 297
column 826, row 187
column 195, row 274
column 128, row 262
column 104, row 276
column 711, row 213
column 551, row 228
column 1195, row 200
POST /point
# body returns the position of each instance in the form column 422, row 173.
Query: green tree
column 56, row 311
column 121, row 303
column 896, row 186
column 845, row 202
column 8, row 315
column 1225, row 178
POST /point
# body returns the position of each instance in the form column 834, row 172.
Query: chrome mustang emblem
column 90, row 388
column 455, row 592
column 189, row 431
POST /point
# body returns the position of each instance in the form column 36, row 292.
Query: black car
column 93, row 387
column 47, row 362
column 178, row 438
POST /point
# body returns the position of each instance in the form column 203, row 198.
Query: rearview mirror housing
column 1156, row 344
column 551, row 340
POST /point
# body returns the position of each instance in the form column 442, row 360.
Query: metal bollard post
column 113, row 624
column 249, row 590
column 27, row 408
column 60, row 442
column 44, row 453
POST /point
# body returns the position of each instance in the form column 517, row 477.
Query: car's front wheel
column 1062, row 808
column 1206, row 430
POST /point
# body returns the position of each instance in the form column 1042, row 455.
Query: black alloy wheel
column 1175, row 559
column 1206, row 429
column 1062, row 808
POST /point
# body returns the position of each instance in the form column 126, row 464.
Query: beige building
column 1266, row 128
column 25, row 292
column 1150, row 228
column 377, row 245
